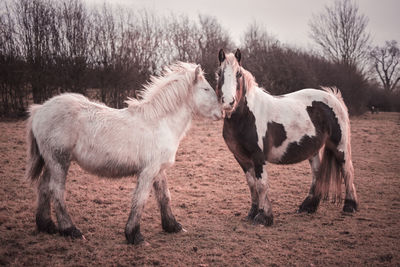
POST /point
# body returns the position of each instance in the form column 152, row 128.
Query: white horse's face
column 204, row 98
column 228, row 76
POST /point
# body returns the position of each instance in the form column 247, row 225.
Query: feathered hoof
column 71, row 232
column 46, row 226
column 263, row 218
column 309, row 205
column 252, row 213
column 172, row 227
column 350, row 206
column 134, row 237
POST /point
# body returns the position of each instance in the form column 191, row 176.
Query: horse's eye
column 207, row 89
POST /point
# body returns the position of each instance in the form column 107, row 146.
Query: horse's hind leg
column 310, row 204
column 58, row 169
column 350, row 202
column 44, row 222
column 142, row 191
column 168, row 221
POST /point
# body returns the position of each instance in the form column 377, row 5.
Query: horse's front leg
column 168, row 221
column 264, row 215
column 247, row 167
column 142, row 191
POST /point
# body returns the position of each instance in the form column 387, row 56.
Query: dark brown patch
column 240, row 135
column 327, row 131
column 299, row 151
column 325, row 120
column 274, row 136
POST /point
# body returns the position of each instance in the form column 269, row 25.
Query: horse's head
column 230, row 80
column 204, row 98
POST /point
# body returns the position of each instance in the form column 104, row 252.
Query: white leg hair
column 315, row 163
column 262, row 191
column 348, row 174
column 251, row 182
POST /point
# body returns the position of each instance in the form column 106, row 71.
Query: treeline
column 48, row 47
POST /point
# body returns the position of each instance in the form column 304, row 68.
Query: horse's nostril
column 222, row 100
column 233, row 101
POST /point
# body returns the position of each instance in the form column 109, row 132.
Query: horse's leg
column 251, row 182
column 58, row 169
column 168, row 221
column 264, row 215
column 350, row 202
column 142, row 191
column 310, row 204
column 44, row 222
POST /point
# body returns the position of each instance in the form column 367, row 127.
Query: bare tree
column 341, row 32
column 386, row 60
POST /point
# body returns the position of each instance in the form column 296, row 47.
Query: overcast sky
column 287, row 20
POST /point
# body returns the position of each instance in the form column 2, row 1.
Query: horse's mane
column 166, row 92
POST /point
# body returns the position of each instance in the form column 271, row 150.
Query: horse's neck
column 179, row 121
column 257, row 96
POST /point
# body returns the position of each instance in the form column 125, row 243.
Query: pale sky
column 287, row 20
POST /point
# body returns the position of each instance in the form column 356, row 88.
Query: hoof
column 263, row 218
column 134, row 237
column 172, row 227
column 46, row 225
column 252, row 213
column 350, row 205
column 309, row 205
column 72, row 232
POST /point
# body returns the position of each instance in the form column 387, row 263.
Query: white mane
column 165, row 93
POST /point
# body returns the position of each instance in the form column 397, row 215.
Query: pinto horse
column 141, row 140
column 304, row 125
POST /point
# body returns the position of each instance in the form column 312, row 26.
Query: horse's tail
column 329, row 177
column 35, row 161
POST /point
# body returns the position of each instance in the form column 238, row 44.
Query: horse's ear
column 238, row 56
column 221, row 56
column 197, row 73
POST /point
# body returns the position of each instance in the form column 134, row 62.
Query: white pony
column 141, row 139
column 286, row 129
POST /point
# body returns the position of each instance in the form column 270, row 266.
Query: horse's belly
column 107, row 167
column 295, row 152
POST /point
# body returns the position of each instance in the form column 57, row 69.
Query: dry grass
column 210, row 198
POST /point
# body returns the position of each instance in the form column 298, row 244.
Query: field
column 210, row 198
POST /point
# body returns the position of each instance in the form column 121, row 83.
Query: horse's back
column 57, row 121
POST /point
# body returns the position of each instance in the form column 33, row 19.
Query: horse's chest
column 240, row 134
